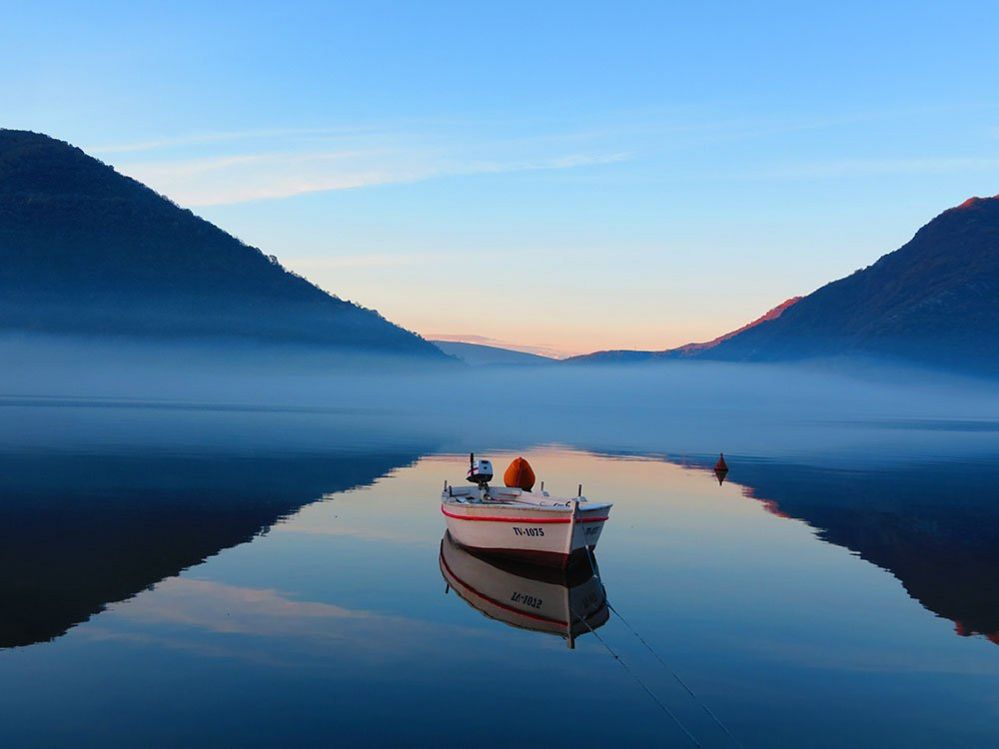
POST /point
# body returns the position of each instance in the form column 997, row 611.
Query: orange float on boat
column 520, row 475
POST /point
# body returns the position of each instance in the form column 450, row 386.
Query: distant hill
column 934, row 301
column 477, row 355
column 780, row 309
column 85, row 250
column 625, row 356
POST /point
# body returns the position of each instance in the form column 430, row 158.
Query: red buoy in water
column 721, row 469
column 519, row 474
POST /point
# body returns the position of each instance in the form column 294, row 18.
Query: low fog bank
column 267, row 397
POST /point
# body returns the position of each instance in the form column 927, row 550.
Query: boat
column 568, row 603
column 516, row 521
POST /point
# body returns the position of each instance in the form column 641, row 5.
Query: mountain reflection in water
column 567, row 603
column 78, row 532
column 934, row 526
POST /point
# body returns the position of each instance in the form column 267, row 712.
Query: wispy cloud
column 216, row 619
column 227, row 608
column 226, row 167
column 266, row 176
column 211, row 138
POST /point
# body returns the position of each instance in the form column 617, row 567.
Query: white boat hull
column 553, row 536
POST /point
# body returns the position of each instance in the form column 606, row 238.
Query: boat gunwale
column 557, row 504
column 580, row 518
column 526, row 506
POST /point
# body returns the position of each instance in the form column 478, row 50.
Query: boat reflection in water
column 567, row 603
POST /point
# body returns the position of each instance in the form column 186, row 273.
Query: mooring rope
column 674, row 674
column 662, row 705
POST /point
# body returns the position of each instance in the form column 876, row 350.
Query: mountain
column 85, row 250
column 477, row 355
column 935, row 300
column 625, row 356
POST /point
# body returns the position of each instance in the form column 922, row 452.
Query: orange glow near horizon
column 654, row 340
column 561, row 344
column 435, row 299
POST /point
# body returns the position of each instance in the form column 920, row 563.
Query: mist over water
column 854, row 408
column 191, row 531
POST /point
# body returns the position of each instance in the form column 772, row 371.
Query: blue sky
column 567, row 176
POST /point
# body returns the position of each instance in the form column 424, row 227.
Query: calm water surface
column 252, row 598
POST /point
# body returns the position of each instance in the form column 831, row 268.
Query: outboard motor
column 479, row 471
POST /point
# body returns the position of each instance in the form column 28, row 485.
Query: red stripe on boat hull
column 529, row 520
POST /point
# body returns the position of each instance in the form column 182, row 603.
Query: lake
column 259, row 588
